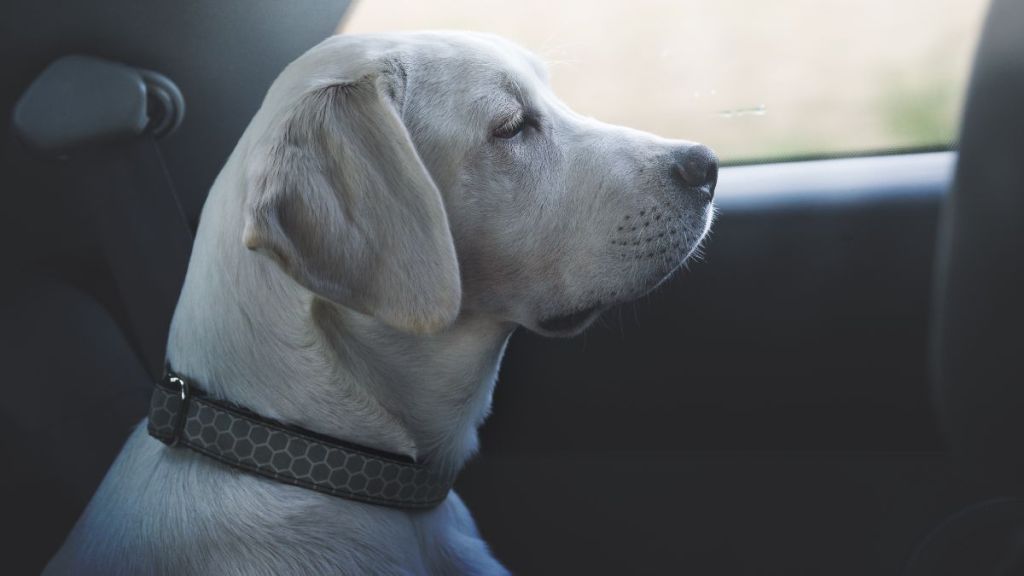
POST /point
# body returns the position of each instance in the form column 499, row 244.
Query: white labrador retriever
column 399, row 204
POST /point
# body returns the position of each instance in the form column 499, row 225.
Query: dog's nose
column 698, row 168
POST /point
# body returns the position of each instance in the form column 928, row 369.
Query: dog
column 398, row 206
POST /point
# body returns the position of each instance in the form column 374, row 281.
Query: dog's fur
column 361, row 261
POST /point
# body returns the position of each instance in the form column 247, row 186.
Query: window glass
column 757, row 80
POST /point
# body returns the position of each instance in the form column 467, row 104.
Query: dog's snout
column 697, row 167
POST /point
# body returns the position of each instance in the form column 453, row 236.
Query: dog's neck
column 247, row 333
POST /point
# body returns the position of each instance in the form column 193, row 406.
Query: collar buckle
column 184, row 393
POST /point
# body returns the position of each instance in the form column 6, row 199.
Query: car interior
column 836, row 388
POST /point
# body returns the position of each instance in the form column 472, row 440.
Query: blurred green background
column 755, row 79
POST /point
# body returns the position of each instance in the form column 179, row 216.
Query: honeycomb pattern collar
column 181, row 416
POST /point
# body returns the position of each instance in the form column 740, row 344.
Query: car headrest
column 978, row 330
column 81, row 100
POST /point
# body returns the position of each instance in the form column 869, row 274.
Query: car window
column 757, row 81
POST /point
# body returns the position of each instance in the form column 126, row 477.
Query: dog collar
column 180, row 415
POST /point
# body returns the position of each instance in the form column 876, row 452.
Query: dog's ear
column 340, row 198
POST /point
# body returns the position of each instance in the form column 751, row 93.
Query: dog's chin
column 578, row 319
column 568, row 324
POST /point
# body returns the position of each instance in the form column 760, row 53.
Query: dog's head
column 414, row 176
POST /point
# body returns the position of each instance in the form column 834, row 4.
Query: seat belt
column 103, row 119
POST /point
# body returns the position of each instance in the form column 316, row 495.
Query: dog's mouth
column 581, row 317
column 571, row 323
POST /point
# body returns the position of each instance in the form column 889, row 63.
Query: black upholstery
column 223, row 55
column 73, row 389
column 982, row 539
column 73, row 383
column 979, row 338
column 977, row 343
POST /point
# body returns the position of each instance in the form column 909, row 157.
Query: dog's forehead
column 478, row 57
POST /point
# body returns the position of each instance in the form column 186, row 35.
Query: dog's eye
column 511, row 127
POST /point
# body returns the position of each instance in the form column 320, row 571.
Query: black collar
column 180, row 415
